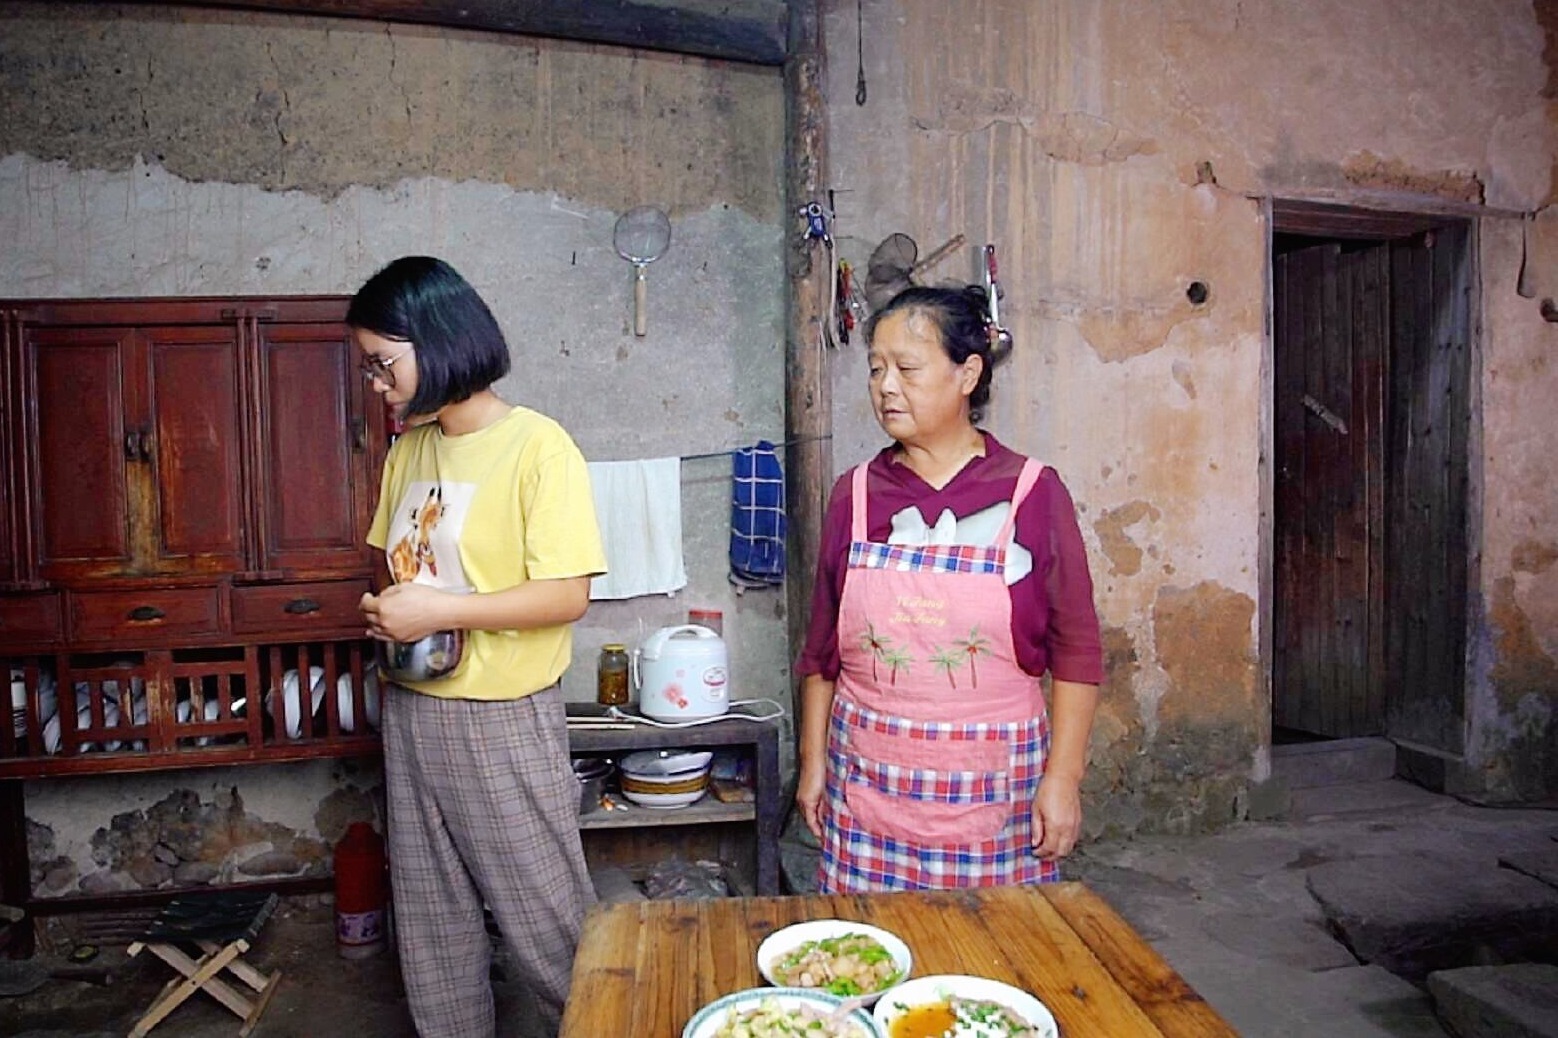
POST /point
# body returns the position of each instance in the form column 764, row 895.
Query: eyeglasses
column 380, row 368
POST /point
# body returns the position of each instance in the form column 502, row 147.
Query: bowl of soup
column 956, row 1006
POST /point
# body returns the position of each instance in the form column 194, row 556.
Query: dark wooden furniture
column 644, row 969
column 763, row 818
column 186, row 484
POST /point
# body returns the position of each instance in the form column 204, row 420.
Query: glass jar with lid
column 611, row 675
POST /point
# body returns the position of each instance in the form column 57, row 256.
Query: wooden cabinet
column 188, row 485
column 188, row 439
column 134, row 436
column 185, row 488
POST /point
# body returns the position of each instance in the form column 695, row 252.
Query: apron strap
column 1032, row 469
column 858, row 503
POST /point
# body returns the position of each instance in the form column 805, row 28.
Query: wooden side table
column 758, row 738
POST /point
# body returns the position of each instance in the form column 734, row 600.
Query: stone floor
column 1294, row 928
column 1266, row 920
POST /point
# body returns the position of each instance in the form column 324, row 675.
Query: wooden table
column 643, row 969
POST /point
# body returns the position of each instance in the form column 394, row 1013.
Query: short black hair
column 962, row 319
column 460, row 350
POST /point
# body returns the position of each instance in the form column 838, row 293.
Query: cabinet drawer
column 118, row 614
column 294, row 607
column 30, row 620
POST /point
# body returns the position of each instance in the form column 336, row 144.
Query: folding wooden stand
column 221, row 925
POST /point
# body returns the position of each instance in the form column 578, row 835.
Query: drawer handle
column 299, row 606
column 145, row 613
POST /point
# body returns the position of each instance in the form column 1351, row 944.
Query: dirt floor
column 1235, row 913
column 320, row 994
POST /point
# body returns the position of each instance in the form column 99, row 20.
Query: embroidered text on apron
column 937, row 738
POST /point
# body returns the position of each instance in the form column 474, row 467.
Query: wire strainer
column 641, row 236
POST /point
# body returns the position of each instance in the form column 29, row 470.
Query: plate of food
column 780, row 1011
column 955, row 1006
column 843, row 958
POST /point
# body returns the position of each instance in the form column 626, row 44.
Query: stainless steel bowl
column 426, row 659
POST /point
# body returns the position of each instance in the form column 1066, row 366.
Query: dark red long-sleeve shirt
column 1054, row 623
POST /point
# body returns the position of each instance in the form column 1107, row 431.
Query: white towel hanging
column 638, row 505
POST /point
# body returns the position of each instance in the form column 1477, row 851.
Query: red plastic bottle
column 361, row 886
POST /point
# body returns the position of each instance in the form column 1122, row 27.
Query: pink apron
column 937, row 738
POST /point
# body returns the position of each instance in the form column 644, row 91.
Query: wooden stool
column 221, row 925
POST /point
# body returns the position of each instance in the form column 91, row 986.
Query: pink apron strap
column 1032, row 469
column 858, row 504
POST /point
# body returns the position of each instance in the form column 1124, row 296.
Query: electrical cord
column 618, row 714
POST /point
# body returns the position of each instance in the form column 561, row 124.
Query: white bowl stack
column 665, row 778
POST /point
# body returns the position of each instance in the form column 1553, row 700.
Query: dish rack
column 159, row 708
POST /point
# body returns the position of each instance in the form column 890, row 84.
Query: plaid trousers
column 483, row 811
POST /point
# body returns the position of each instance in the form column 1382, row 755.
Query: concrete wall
column 1115, row 152
column 148, row 151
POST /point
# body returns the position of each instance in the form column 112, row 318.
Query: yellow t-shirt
column 487, row 511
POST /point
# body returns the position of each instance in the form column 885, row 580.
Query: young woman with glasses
column 488, row 527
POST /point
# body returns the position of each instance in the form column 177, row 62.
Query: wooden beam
column 750, row 31
column 1325, row 220
column 808, row 391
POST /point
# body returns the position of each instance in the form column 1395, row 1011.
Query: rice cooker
column 682, row 674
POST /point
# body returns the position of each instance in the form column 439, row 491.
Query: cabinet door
column 195, row 456
column 314, row 491
column 12, row 485
column 81, row 434
column 133, row 434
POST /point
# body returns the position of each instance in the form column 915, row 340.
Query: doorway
column 1371, row 329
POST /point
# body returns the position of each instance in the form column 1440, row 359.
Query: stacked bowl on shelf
column 665, row 778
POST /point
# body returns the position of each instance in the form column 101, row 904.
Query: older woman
column 951, row 578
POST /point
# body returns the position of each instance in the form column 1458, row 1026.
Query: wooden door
column 1331, row 310
column 82, row 435
column 195, row 460
column 132, row 434
column 1426, row 506
column 315, row 473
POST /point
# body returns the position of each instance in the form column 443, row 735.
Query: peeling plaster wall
column 1116, row 152
column 148, row 151
column 1513, row 714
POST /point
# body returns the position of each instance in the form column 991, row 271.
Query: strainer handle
column 640, row 316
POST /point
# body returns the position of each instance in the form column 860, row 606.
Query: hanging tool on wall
column 999, row 336
column 817, row 230
column 817, row 218
column 845, row 303
column 895, row 265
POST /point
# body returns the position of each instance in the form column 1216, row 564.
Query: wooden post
column 808, row 392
